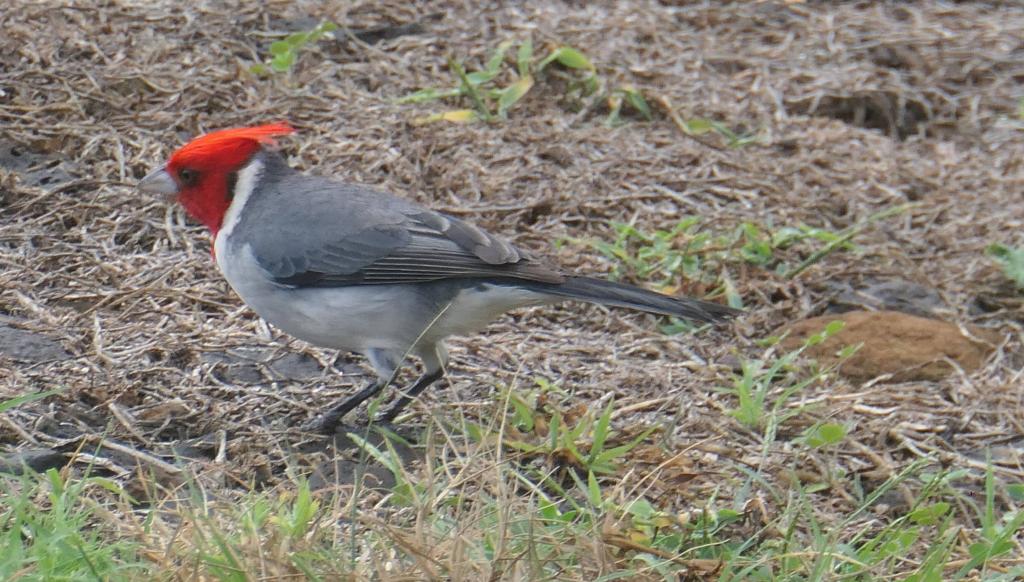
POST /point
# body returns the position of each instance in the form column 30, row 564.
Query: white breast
column 244, row 186
column 347, row 318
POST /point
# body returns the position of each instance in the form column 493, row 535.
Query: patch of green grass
column 285, row 52
column 824, row 434
column 528, row 494
column 998, row 533
column 692, row 253
column 495, row 89
column 15, row 402
column 623, row 99
column 1011, row 259
column 55, row 528
column 287, row 533
column 700, row 126
column 923, row 543
column 765, row 386
column 689, row 252
column 480, row 509
column 581, row 443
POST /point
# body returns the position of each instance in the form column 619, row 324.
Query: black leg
column 332, row 417
column 422, row 384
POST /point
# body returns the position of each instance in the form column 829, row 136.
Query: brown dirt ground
column 860, row 107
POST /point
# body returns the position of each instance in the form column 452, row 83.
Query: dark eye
column 188, row 177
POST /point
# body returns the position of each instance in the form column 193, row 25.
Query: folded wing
column 345, row 235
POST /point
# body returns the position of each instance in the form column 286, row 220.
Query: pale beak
column 158, row 182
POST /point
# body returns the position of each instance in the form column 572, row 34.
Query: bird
column 349, row 267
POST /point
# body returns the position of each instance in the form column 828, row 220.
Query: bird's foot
column 322, row 425
column 387, row 418
column 330, row 423
column 333, row 425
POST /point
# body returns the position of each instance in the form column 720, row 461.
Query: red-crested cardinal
column 348, row 267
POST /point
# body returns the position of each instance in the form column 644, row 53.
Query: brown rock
column 908, row 347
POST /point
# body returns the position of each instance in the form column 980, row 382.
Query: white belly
column 347, row 318
column 470, row 310
column 359, row 318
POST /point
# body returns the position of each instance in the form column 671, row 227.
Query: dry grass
column 859, row 109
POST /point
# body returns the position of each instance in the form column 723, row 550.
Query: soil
column 896, row 347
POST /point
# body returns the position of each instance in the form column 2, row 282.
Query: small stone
column 29, row 346
column 233, row 367
column 244, row 365
column 294, row 366
column 889, row 295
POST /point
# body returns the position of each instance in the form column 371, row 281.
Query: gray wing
column 339, row 234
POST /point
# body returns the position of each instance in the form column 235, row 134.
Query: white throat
column 244, row 186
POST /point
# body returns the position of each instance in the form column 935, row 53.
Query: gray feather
column 335, row 234
column 631, row 297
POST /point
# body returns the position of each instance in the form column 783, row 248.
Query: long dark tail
column 630, row 297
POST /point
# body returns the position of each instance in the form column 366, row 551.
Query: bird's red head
column 201, row 169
